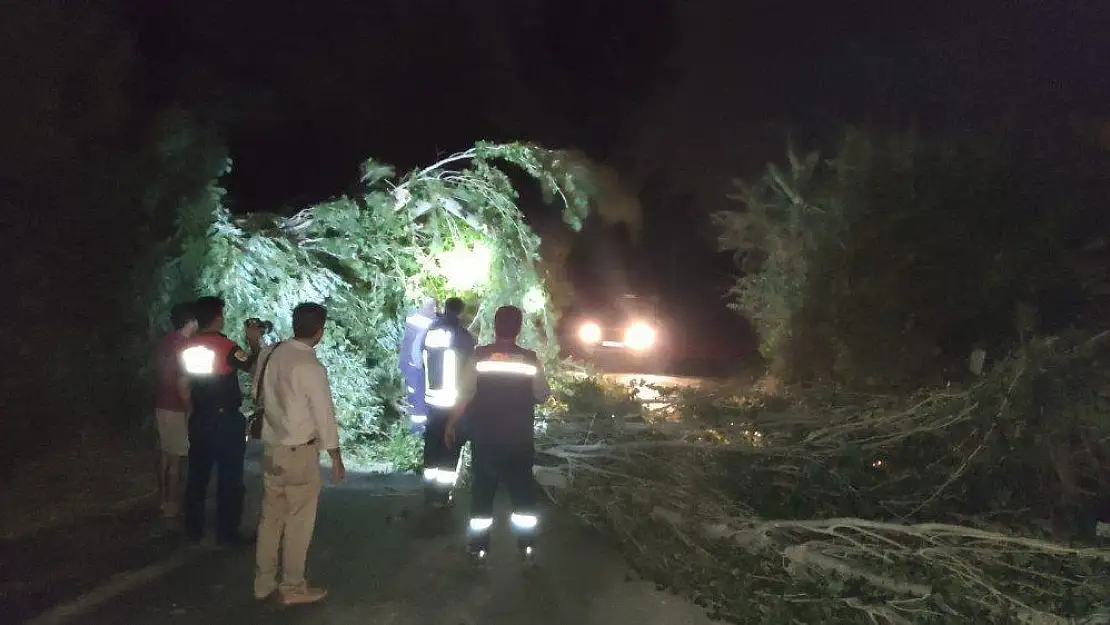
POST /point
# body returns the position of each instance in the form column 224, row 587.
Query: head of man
column 453, row 307
column 308, row 323
column 209, row 311
column 183, row 318
column 506, row 323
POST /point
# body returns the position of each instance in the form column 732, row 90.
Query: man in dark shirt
column 446, row 349
column 500, row 389
column 169, row 409
column 210, row 363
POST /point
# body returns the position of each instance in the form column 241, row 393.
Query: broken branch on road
column 974, row 505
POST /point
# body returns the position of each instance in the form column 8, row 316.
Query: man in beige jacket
column 299, row 419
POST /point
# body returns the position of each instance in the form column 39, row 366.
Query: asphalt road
column 386, row 563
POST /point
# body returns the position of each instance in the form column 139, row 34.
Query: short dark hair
column 507, row 321
column 453, row 305
column 181, row 314
column 308, row 319
column 208, row 309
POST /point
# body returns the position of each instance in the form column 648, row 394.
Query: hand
column 449, row 434
column 253, row 334
column 338, row 471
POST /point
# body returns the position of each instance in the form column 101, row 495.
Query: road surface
column 384, row 563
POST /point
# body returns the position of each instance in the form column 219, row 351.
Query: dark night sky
column 679, row 96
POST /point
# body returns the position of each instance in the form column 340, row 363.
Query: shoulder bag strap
column 258, row 396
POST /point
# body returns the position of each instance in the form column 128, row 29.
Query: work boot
column 479, row 556
column 527, row 555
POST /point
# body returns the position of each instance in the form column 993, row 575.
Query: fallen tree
column 973, row 505
column 450, row 229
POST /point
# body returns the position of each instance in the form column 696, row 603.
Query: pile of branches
column 974, row 505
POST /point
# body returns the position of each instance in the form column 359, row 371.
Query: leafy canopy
column 370, row 256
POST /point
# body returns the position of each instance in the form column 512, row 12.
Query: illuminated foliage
column 370, row 257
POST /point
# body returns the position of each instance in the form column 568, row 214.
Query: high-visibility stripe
column 501, row 366
column 440, row 337
column 198, row 360
column 524, row 521
column 480, row 524
column 448, row 393
column 446, row 477
column 419, row 321
column 441, row 399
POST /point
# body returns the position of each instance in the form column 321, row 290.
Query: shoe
column 308, row 595
column 264, row 596
column 527, row 556
column 478, row 554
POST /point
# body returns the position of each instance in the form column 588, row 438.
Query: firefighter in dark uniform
column 210, row 363
column 500, row 390
column 447, row 348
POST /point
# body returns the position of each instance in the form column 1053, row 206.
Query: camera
column 264, row 326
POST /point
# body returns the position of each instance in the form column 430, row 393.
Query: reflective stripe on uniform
column 480, row 524
column 440, row 337
column 198, row 360
column 446, row 393
column 506, row 366
column 522, row 521
column 419, row 321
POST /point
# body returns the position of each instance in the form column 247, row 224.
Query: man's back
column 462, row 342
column 296, row 396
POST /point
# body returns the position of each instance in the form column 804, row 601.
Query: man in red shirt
column 170, row 409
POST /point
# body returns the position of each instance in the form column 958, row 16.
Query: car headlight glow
column 589, row 333
column 639, row 336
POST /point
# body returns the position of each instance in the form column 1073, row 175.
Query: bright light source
column 466, row 268
column 534, row 300
column 589, row 333
column 639, row 336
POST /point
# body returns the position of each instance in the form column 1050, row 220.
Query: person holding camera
column 209, row 384
column 298, row 420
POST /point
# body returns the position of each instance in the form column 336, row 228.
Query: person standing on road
column 292, row 387
column 210, row 363
column 500, row 391
column 169, row 410
column 447, row 347
column 412, row 363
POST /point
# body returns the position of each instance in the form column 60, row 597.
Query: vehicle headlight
column 589, row 333
column 639, row 336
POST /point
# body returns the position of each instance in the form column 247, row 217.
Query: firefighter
column 412, row 363
column 210, row 363
column 447, row 347
column 499, row 392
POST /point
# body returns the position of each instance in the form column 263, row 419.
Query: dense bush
column 891, row 261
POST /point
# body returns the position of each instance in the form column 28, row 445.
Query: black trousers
column 438, row 455
column 512, row 466
column 216, row 441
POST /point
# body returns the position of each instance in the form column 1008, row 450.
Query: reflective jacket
column 447, row 348
column 503, row 386
column 211, row 362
